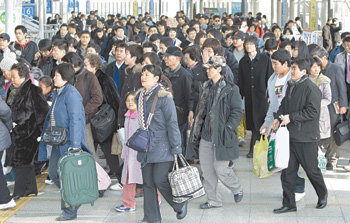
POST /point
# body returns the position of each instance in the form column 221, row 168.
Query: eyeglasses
column 217, row 20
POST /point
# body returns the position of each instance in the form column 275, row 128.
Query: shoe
column 10, row 183
column 250, row 155
column 116, row 187
column 206, row 205
column 49, row 182
column 182, row 214
column 61, row 218
column 101, row 193
column 322, row 203
column 329, row 166
column 16, row 197
column 122, row 208
column 230, row 164
column 346, row 168
column 112, row 175
column 299, row 196
column 284, row 210
column 238, row 197
column 8, row 205
column 241, row 143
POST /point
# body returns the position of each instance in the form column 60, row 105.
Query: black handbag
column 54, row 135
column 342, row 131
column 103, row 123
column 141, row 139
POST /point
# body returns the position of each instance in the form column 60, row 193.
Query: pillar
column 279, row 12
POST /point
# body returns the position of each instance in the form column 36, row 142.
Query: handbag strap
column 150, row 116
column 52, row 115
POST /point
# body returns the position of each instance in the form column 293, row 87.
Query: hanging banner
column 151, row 7
column 236, row 7
column 48, row 6
column 284, row 12
column 135, row 8
column 313, row 15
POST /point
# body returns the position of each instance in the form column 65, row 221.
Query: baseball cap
column 215, row 61
column 5, row 36
column 238, row 35
column 173, row 51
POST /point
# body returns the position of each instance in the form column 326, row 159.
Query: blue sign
column 88, row 7
column 48, row 6
column 28, row 1
column 236, row 7
column 151, row 7
column 29, row 10
column 71, row 7
column 284, row 12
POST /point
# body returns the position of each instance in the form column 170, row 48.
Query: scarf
column 142, row 106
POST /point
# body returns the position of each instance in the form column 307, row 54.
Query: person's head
column 59, row 49
column 21, row 33
column 238, row 39
column 63, row 30
column 229, row 40
column 72, row 28
column 252, row 28
column 184, row 28
column 161, row 26
column 287, row 32
column 64, row 73
column 316, row 67
column 133, row 54
column 19, row 73
column 45, row 46
column 217, row 20
column 191, row 33
column 290, row 24
column 287, row 45
column 300, row 50
column 73, row 45
column 215, row 68
column 322, row 54
column 85, row 38
column 92, row 63
column 300, row 68
column 251, row 44
column 151, row 58
column 152, row 30
column 149, row 47
column 212, row 47
column 267, row 36
column 329, row 20
column 119, row 32
column 93, row 48
column 100, row 33
column 74, row 59
column 6, row 63
column 155, row 39
column 281, row 61
column 192, row 55
column 165, row 42
column 130, row 101
column 151, row 75
column 343, row 35
column 119, row 49
column 196, row 27
column 277, row 31
column 271, row 46
column 346, row 44
column 216, row 34
column 4, row 41
column 200, row 38
column 172, row 33
column 172, row 57
column 45, row 83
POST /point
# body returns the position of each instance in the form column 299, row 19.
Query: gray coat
column 164, row 130
column 342, row 60
column 5, row 126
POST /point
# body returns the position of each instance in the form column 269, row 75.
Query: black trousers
column 329, row 144
column 304, row 154
column 255, row 136
column 155, row 176
column 25, row 182
column 4, row 191
column 112, row 160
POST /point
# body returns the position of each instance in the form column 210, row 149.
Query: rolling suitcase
column 78, row 178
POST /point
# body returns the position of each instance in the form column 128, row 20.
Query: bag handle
column 150, row 116
column 182, row 160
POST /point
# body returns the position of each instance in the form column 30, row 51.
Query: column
column 279, row 12
column 291, row 12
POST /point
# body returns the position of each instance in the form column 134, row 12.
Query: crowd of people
column 211, row 78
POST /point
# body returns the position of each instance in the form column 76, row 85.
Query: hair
column 150, row 45
column 271, row 44
column 191, row 29
column 311, row 47
column 216, row 17
column 214, row 44
column 252, row 39
column 154, row 69
column 344, row 34
column 282, row 56
column 45, row 44
column 167, row 41
column 285, row 43
column 22, row 68
column 287, row 29
column 346, row 39
column 95, row 61
column 64, row 24
column 135, row 51
column 67, row 72
column 73, row 42
column 133, row 93
column 120, row 44
column 74, row 59
column 194, row 52
column 153, row 57
column 317, row 61
column 303, row 51
column 199, row 36
column 85, row 32
column 216, row 34
column 47, row 80
column 95, row 46
column 22, row 28
column 60, row 44
column 155, row 37
column 303, row 64
column 319, row 51
column 275, row 27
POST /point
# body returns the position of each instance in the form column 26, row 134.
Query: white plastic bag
column 121, row 133
column 7, row 169
column 282, row 148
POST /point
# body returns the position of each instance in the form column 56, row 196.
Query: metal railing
column 34, row 31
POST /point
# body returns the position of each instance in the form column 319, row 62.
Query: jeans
column 68, row 212
column 4, row 191
column 11, row 176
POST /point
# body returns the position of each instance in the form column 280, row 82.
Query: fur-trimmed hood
column 162, row 92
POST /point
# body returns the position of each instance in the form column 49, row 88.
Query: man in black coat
column 254, row 71
column 300, row 112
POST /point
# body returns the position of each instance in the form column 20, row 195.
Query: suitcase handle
column 73, row 152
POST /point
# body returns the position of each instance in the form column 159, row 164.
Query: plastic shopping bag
column 7, row 169
column 281, row 148
column 260, row 158
column 271, row 153
column 322, row 161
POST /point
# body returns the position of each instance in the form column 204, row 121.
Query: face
column 187, row 60
column 252, row 29
column 171, row 61
column 250, row 47
column 131, row 103
column 124, row 22
column 315, row 69
column 277, row 33
column 20, row 36
column 88, row 66
column 161, row 29
column 230, row 22
column 297, row 73
column 213, row 73
column 44, row 88
column 85, row 39
column 58, row 81
column 209, row 51
column 91, row 50
column 120, row 33
column 45, row 53
column 295, row 52
column 4, row 44
column 289, row 48
column 148, row 80
column 201, row 41
column 99, row 35
column 16, row 79
column 196, row 26
column 192, row 35
column 63, row 31
column 290, row 25
column 217, row 21
column 162, row 48
column 129, row 60
column 172, row 34
column 244, row 24
column 229, row 41
column 7, row 74
column 120, row 54
column 57, row 53
column 184, row 29
column 238, row 42
column 347, row 47
column 278, row 68
column 152, row 31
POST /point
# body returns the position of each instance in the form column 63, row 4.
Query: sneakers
column 117, row 187
column 8, row 205
column 10, row 183
column 238, row 197
column 299, row 196
column 49, row 182
column 329, row 166
column 122, row 208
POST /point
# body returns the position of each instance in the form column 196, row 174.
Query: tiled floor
column 261, row 196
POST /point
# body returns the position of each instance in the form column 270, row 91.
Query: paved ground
column 261, row 196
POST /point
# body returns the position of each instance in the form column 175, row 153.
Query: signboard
column 135, row 8
column 139, row 10
column 48, row 6
column 312, row 15
column 88, row 7
column 236, row 7
column 29, row 10
column 71, row 8
column 151, row 7
column 284, row 12
column 216, row 11
column 28, row 1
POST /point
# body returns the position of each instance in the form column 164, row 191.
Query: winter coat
column 334, row 53
column 335, row 31
column 29, row 109
column 303, row 104
column 5, row 126
column 327, row 38
column 110, row 71
column 67, row 37
column 232, row 63
column 26, row 51
column 342, row 60
column 252, row 81
column 46, row 65
column 132, row 83
column 132, row 167
column 69, row 114
column 274, row 103
column 94, row 89
column 164, row 129
column 225, row 116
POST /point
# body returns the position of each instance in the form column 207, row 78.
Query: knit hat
column 8, row 62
